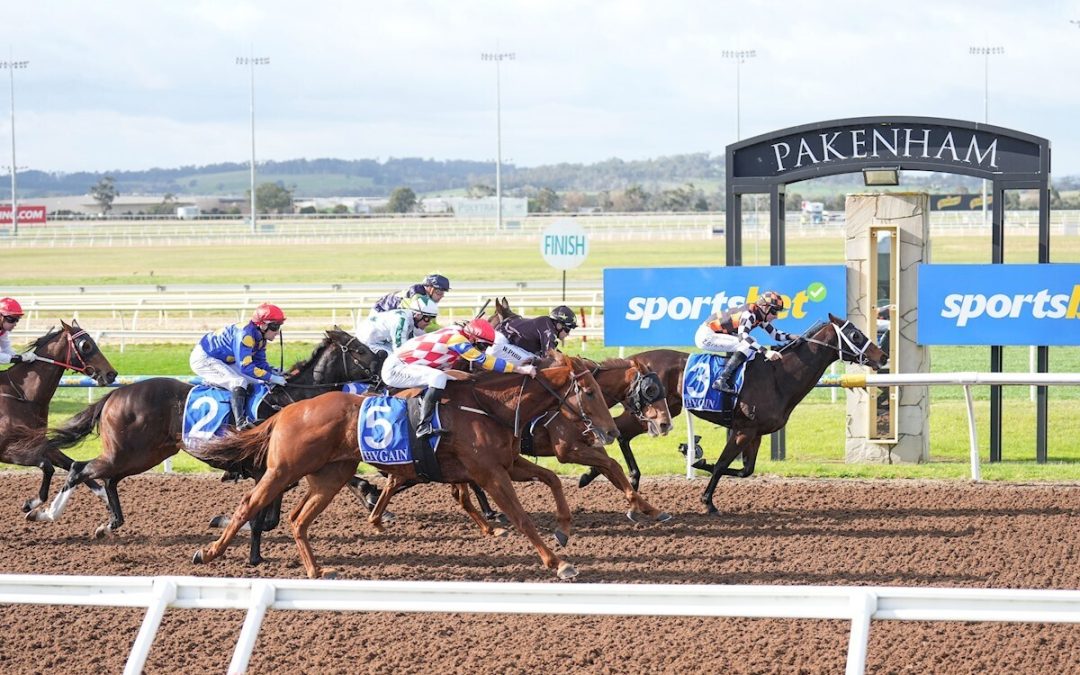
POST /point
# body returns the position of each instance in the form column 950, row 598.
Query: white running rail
column 857, row 604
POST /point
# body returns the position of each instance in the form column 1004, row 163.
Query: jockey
column 729, row 331
column 386, row 331
column 10, row 314
column 422, row 361
column 541, row 334
column 234, row 357
column 433, row 286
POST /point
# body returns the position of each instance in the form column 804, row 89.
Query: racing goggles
column 12, row 319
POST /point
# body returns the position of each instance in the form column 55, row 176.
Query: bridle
column 343, row 351
column 845, row 346
column 645, row 390
column 83, row 367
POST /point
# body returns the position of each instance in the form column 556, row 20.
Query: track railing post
column 262, row 596
column 863, row 606
column 164, row 594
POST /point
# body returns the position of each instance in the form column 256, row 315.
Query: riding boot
column 427, row 411
column 239, row 408
column 726, row 382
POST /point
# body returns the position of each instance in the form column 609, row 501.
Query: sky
column 126, row 85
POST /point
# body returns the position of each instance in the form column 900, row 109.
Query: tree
column 167, row 207
column 104, row 193
column 402, row 200
column 545, row 201
column 273, row 198
column 479, row 191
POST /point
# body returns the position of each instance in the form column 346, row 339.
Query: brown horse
column 622, row 381
column 140, row 424
column 26, row 390
column 769, row 395
column 318, row 439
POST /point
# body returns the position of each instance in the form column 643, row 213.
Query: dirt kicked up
column 772, row 532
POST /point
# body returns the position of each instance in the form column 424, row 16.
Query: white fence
column 859, row 605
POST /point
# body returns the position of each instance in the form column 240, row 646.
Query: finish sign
column 564, row 244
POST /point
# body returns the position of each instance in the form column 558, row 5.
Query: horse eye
column 85, row 346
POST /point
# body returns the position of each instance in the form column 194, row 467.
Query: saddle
column 208, row 411
column 386, row 434
column 702, row 369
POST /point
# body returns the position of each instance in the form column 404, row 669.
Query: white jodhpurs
column 508, row 352
column 397, row 373
column 711, row 341
column 217, row 373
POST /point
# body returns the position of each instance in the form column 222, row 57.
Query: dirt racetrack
column 773, row 532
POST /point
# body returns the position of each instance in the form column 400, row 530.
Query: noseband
column 845, row 346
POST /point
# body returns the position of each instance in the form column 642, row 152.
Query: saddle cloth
column 208, row 410
column 701, row 371
column 386, row 434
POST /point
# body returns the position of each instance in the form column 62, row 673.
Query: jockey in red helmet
column 729, row 331
column 11, row 313
column 234, row 357
column 422, row 361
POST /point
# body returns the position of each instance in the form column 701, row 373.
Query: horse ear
column 835, row 319
column 65, row 326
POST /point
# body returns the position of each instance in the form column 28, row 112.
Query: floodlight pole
column 498, row 57
column 252, row 61
column 986, row 52
column 11, row 65
column 739, row 56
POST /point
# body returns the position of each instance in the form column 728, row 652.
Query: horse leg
column 735, row 445
column 523, row 470
column 323, row 485
column 368, row 495
column 116, row 515
column 588, row 477
column 265, row 491
column 631, row 463
column 64, row 462
column 461, row 494
column 266, row 520
column 76, row 474
column 43, row 491
column 599, row 460
column 393, row 483
column 497, row 484
column 485, row 507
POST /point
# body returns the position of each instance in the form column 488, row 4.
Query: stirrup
column 244, row 425
column 428, row 430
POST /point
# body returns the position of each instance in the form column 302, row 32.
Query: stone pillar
column 910, row 214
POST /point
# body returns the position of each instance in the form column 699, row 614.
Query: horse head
column 503, row 312
column 343, row 358
column 646, row 399
column 579, row 395
column 854, row 346
column 72, row 348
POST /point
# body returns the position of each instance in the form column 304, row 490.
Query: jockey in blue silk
column 423, row 361
column 10, row 315
column 434, row 287
column 234, row 357
column 386, row 331
column 729, row 331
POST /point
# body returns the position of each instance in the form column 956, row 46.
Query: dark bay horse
column 318, row 439
column 141, row 424
column 26, row 390
column 771, row 391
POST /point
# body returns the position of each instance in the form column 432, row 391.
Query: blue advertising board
column 999, row 304
column 654, row 306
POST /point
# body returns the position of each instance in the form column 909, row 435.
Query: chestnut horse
column 141, row 424
column 26, row 390
column 771, row 391
column 621, row 381
column 318, row 439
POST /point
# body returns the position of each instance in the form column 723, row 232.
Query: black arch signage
column 1010, row 159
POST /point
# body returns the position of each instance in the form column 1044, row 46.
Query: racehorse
column 771, row 391
column 141, row 424
column 318, row 439
column 623, row 381
column 26, row 390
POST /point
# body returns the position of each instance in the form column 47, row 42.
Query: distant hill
column 372, row 178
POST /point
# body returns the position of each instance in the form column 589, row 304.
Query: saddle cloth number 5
column 378, row 432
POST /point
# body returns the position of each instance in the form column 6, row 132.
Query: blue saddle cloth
column 355, row 387
column 701, row 371
column 208, row 411
column 384, row 433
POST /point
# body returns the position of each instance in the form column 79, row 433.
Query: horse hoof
column 255, row 562
column 101, row 532
column 561, row 538
column 197, row 559
column 663, row 517
column 388, row 517
column 219, row 521
column 500, row 532
column 38, row 515
column 635, row 516
column 330, row 574
column 30, row 504
column 566, row 571
column 584, row 480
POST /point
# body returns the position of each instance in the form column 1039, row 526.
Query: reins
column 842, row 341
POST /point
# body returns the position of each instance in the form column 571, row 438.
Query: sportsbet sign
column 663, row 306
column 999, row 304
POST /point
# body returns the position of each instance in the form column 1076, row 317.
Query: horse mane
column 300, row 365
column 46, row 338
column 616, row 363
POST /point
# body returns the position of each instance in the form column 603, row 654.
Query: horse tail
column 76, row 429
column 236, row 447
